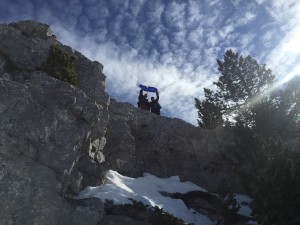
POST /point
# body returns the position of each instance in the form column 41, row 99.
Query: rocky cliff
column 56, row 138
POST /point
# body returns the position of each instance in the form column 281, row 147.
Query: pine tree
column 279, row 114
column 289, row 106
column 209, row 111
column 277, row 194
column 246, row 92
column 243, row 83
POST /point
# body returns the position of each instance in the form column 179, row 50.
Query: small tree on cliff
column 60, row 65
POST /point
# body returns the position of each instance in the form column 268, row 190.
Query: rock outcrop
column 140, row 141
column 56, row 139
column 52, row 134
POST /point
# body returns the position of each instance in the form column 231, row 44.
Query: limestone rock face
column 44, row 130
column 26, row 43
column 166, row 147
column 52, row 134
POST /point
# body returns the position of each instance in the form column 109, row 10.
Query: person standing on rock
column 154, row 105
column 143, row 102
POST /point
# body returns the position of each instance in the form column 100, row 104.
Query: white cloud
column 166, row 59
column 140, row 43
column 133, row 26
column 194, row 56
column 178, row 37
column 195, row 37
column 295, row 72
column 285, row 54
column 116, row 26
column 267, row 36
column 163, row 43
column 260, row 1
column 95, row 12
column 285, row 12
column 174, row 15
column 188, row 68
column 212, row 2
column 210, row 57
column 135, row 6
column 226, row 31
column 246, row 39
column 212, row 19
column 194, row 13
column 157, row 31
column 154, row 12
column 245, row 19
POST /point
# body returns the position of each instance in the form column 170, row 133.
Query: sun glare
column 291, row 75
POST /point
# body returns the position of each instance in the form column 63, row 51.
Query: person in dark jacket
column 154, row 105
column 143, row 102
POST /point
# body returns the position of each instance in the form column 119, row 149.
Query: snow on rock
column 147, row 190
column 244, row 201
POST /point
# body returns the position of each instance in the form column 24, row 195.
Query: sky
column 170, row 44
column 147, row 190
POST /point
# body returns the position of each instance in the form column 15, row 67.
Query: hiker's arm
column 157, row 96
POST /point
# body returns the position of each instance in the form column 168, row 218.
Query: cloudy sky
column 170, row 44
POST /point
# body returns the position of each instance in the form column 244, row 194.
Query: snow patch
column 148, row 189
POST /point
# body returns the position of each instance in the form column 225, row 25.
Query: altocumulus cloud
column 169, row 44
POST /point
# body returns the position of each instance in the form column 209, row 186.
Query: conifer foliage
column 277, row 195
column 209, row 111
column 60, row 65
column 242, row 85
column 242, row 79
column 247, row 93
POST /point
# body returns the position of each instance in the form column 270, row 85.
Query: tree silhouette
column 243, row 84
column 209, row 111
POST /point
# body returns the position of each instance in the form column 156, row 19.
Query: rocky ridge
column 56, row 139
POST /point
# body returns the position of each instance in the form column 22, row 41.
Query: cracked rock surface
column 46, row 130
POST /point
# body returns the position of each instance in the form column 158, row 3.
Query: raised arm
column 141, row 92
